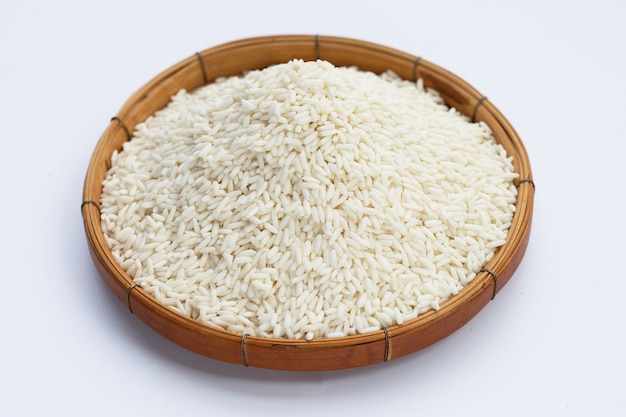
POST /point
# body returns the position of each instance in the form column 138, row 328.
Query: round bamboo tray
column 319, row 354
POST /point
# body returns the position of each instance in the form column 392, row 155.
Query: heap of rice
column 307, row 201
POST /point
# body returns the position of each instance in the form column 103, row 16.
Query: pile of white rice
column 307, row 201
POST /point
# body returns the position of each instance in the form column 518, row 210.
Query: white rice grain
column 307, row 201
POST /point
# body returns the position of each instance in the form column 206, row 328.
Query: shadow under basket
column 235, row 58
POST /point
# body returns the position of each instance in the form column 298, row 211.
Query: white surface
column 551, row 343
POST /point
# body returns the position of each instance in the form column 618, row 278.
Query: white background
column 553, row 341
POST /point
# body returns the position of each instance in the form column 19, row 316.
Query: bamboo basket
column 319, row 354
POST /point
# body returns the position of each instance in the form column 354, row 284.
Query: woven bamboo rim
column 320, row 354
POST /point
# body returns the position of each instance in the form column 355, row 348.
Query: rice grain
column 306, row 201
